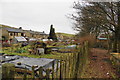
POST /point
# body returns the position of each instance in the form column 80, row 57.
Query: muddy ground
column 99, row 65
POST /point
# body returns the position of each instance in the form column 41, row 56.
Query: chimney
column 20, row 27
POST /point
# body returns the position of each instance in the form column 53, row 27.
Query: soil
column 99, row 65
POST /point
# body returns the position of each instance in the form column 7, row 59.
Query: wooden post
column 53, row 68
column 72, row 65
column 85, row 53
column 79, row 64
column 69, row 64
column 70, row 61
column 73, row 69
column 41, row 73
column 112, row 46
column 60, row 69
column 8, row 71
column 87, row 50
column 65, row 66
column 57, row 67
column 75, row 59
column 117, row 48
column 63, row 69
column 25, row 76
column 33, row 72
column 48, row 74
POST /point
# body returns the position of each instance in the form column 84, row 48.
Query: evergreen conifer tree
column 52, row 34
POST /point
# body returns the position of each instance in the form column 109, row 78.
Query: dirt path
column 99, row 66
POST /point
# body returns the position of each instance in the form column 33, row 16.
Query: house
column 102, row 38
column 9, row 33
column 43, row 35
column 35, row 34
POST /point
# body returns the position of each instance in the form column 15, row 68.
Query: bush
column 6, row 45
column 48, row 51
column 90, row 38
column 39, row 44
column 16, row 45
column 103, row 45
column 19, row 50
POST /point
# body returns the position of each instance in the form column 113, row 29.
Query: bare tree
column 97, row 17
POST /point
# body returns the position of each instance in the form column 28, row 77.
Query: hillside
column 1, row 25
column 65, row 34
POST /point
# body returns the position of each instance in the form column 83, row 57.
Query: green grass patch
column 23, row 51
column 113, row 75
column 54, row 55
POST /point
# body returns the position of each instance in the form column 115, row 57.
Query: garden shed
column 19, row 40
column 27, row 62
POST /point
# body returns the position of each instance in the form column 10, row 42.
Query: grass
column 65, row 34
column 113, row 75
column 53, row 55
column 58, row 44
column 1, row 51
column 18, row 51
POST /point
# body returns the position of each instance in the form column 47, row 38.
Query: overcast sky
column 37, row 15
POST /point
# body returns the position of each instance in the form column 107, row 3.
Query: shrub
column 48, row 51
column 19, row 50
column 16, row 45
column 90, row 38
column 6, row 45
column 103, row 45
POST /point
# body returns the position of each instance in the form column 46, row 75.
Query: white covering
column 20, row 39
column 32, row 39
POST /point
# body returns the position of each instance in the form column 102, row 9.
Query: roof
column 47, row 40
column 102, row 38
column 20, row 39
column 32, row 39
column 29, row 62
column 30, row 31
column 13, row 30
column 36, row 32
column 42, row 33
column 9, row 58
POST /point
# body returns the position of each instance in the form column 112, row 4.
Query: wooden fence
column 115, row 62
column 115, row 57
column 70, row 66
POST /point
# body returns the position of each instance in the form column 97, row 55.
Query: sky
column 37, row 15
